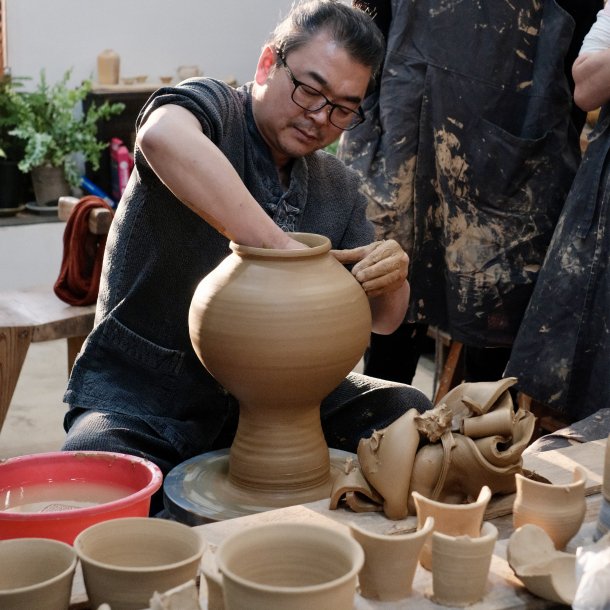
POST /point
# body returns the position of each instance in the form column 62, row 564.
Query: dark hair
column 352, row 28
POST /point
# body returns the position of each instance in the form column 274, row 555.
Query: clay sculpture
column 441, row 454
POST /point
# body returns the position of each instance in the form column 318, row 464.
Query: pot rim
column 314, row 243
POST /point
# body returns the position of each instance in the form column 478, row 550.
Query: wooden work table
column 504, row 590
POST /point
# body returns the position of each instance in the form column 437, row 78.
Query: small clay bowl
column 36, row 573
column 126, row 560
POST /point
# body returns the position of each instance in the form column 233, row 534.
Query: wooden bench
column 33, row 315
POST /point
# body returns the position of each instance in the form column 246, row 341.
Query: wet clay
column 473, row 438
column 280, row 329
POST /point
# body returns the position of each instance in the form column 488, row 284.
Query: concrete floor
column 34, row 420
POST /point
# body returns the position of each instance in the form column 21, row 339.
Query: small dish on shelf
column 47, row 210
column 11, row 211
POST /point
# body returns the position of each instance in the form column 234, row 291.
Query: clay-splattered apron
column 468, row 154
column 562, row 352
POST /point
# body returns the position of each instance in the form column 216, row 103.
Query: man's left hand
column 381, row 267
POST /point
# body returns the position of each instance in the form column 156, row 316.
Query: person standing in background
column 561, row 355
column 467, row 158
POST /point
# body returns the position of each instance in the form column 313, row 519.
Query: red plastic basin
column 57, row 495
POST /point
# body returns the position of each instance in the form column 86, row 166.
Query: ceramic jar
column 108, row 67
column 280, row 329
column 450, row 519
column 557, row 509
column 390, row 561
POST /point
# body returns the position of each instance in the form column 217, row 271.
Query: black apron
column 561, row 355
column 468, row 154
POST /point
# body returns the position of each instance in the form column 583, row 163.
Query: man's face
column 289, row 130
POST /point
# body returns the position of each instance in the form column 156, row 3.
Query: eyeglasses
column 312, row 100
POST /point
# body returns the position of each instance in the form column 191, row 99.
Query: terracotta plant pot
column 557, row 509
column 280, row 329
column 460, row 566
column 450, row 519
column 390, row 561
column 49, row 184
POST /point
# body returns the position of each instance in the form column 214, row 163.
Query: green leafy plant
column 332, row 147
column 54, row 127
column 10, row 147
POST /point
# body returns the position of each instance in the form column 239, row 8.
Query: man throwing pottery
column 214, row 164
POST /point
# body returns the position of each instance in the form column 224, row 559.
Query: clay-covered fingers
column 347, row 257
column 381, row 267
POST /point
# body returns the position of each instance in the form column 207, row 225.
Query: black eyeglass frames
column 312, row 100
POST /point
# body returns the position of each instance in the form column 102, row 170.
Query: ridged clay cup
column 450, row 519
column 292, row 566
column 126, row 560
column 460, row 566
column 390, row 561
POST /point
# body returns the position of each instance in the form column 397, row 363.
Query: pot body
column 280, row 329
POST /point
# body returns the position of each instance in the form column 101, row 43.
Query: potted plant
column 54, row 130
column 12, row 180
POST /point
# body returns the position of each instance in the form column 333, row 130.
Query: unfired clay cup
column 450, row 519
column 292, row 566
column 460, row 566
column 558, row 509
column 126, row 560
column 390, row 561
column 36, row 573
